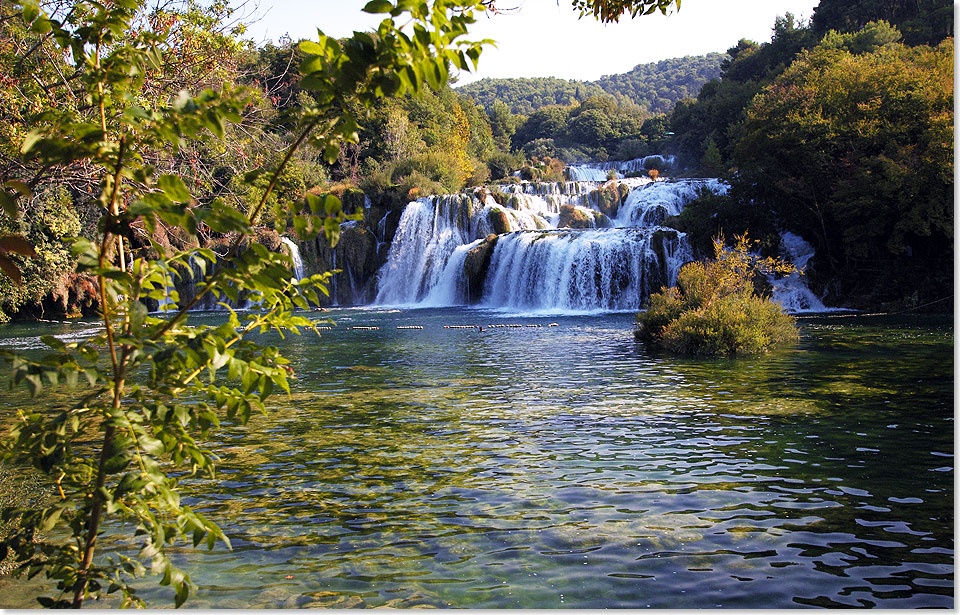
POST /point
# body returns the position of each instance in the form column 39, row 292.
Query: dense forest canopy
column 654, row 87
column 842, row 132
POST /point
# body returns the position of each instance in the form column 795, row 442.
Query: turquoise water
column 568, row 466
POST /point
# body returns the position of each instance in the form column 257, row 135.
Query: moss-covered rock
column 475, row 267
column 499, row 221
column 572, row 217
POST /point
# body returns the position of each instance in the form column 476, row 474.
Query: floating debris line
column 421, row 327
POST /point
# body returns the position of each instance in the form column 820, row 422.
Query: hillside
column 656, row 86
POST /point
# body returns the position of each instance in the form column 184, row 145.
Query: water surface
column 568, row 466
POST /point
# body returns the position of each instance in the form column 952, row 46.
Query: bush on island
column 715, row 308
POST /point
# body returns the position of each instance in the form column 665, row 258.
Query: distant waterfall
column 430, row 230
column 599, row 171
column 652, row 203
column 420, row 265
column 294, row 250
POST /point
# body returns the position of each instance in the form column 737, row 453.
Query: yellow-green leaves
column 378, row 6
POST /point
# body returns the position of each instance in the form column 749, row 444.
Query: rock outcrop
column 475, row 267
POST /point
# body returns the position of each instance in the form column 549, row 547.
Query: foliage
column 658, row 86
column 711, row 214
column 921, row 21
column 655, row 87
column 594, row 129
column 855, row 152
column 613, row 10
column 715, row 310
column 722, row 103
column 153, row 387
column 523, row 96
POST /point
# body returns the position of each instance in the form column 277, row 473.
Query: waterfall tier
column 599, row 171
column 583, row 270
column 569, row 246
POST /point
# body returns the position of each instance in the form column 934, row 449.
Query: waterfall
column 430, row 232
column 651, row 203
column 583, row 270
column 535, row 264
column 598, row 171
column 791, row 291
column 430, row 229
column 294, row 250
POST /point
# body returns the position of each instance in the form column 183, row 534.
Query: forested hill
column 656, row 86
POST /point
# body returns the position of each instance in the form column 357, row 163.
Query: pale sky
column 545, row 39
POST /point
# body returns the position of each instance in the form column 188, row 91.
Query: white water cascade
column 297, row 261
column 598, row 171
column 582, row 270
column 535, row 265
column 791, row 291
column 651, row 203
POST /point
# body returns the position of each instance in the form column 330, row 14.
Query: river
column 568, row 466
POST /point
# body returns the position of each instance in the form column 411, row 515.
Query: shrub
column 502, row 164
column 715, row 309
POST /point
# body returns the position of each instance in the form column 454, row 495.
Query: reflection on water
column 569, row 467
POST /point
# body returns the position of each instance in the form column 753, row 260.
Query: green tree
column 155, row 386
column 855, row 153
column 921, row 21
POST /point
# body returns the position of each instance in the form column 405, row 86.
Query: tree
column 921, row 21
column 854, row 151
column 155, row 386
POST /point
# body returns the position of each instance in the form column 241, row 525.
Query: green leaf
column 378, row 6
column 174, row 188
column 312, row 48
column 8, row 204
column 20, row 187
column 137, row 315
column 30, row 140
column 50, row 517
column 30, row 11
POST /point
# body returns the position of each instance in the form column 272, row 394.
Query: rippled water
column 567, row 466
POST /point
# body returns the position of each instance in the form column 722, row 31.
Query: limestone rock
column 571, row 217
column 475, row 267
column 499, row 221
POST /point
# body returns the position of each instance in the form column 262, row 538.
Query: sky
column 545, row 38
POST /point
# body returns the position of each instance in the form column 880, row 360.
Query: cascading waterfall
column 508, row 252
column 791, row 291
column 534, row 264
column 588, row 270
column 598, row 171
column 651, row 203
column 294, row 251
column 431, row 231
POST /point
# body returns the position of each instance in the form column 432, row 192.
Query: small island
column 715, row 308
